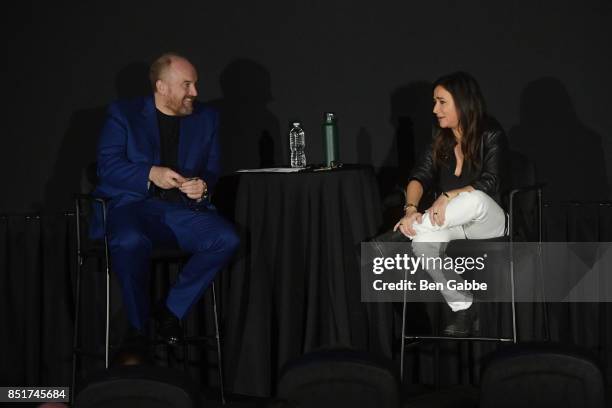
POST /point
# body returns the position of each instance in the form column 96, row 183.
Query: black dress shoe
column 464, row 323
column 167, row 324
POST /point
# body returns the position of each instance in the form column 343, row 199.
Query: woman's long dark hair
column 471, row 112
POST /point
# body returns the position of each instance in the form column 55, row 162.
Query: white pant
column 471, row 215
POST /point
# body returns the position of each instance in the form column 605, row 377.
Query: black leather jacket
column 492, row 158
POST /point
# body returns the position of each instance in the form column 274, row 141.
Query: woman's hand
column 405, row 224
column 437, row 211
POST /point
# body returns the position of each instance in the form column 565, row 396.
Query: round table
column 295, row 284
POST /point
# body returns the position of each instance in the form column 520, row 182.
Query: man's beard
column 180, row 108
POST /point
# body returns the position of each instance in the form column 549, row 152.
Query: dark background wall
column 544, row 68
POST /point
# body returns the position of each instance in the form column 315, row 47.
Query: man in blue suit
column 158, row 157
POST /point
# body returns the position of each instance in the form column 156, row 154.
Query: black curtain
column 37, row 255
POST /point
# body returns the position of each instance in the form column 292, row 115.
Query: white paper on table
column 272, row 170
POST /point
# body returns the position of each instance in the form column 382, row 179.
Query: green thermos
column 330, row 139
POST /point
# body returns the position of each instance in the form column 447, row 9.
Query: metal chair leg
column 77, row 301
column 540, row 266
column 107, row 265
column 75, row 338
column 513, row 300
column 511, row 254
column 107, row 328
column 218, row 338
column 108, row 305
column 403, row 339
column 543, row 294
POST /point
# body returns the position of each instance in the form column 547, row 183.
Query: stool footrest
column 189, row 341
column 499, row 339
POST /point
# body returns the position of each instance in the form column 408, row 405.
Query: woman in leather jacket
column 463, row 165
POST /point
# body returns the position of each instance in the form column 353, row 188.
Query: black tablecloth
column 295, row 284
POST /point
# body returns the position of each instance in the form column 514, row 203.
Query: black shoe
column 167, row 324
column 464, row 323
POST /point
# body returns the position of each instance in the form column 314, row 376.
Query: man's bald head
column 173, row 79
column 160, row 67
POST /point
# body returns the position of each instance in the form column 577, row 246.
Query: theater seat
column 542, row 375
column 340, row 378
column 139, row 386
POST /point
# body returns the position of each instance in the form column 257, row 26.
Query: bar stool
column 99, row 249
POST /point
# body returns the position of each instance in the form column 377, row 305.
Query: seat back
column 340, row 378
column 139, row 386
column 542, row 376
column 520, row 172
column 84, row 214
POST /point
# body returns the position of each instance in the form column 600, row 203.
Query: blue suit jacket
column 129, row 145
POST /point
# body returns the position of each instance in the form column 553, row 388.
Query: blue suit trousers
column 136, row 229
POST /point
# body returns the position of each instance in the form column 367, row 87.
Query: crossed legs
column 471, row 215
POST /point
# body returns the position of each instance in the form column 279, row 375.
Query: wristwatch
column 408, row 205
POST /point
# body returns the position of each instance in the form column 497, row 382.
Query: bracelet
column 408, row 205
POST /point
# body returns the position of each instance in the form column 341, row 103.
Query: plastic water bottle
column 297, row 144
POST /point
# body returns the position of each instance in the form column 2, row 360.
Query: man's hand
column 194, row 188
column 166, row 178
column 405, row 224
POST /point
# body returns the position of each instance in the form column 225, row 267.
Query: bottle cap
column 330, row 116
column 296, row 123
